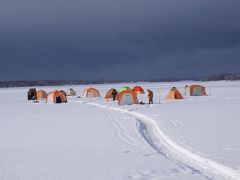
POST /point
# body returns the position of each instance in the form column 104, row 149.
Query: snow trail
column 120, row 132
column 144, row 133
column 155, row 136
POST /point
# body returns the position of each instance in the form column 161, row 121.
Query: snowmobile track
column 156, row 136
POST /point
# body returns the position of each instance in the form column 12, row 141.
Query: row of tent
column 34, row 94
column 54, row 96
column 57, row 96
column 191, row 90
column 125, row 95
column 129, row 96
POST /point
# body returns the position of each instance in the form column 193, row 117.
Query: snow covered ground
column 195, row 138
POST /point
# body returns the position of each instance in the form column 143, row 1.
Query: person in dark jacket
column 150, row 97
column 114, row 94
column 186, row 90
column 32, row 94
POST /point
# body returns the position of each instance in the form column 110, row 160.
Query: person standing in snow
column 114, row 94
column 150, row 96
column 186, row 90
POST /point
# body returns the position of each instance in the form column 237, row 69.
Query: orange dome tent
column 174, row 94
column 109, row 94
column 56, row 97
column 41, row 94
column 65, row 94
column 196, row 90
column 138, row 90
column 91, row 93
column 127, row 97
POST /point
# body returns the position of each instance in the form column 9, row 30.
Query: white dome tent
column 71, row 92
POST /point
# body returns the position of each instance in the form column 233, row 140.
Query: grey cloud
column 134, row 39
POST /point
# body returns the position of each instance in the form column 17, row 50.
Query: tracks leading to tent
column 161, row 143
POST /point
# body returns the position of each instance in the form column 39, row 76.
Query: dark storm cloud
column 128, row 39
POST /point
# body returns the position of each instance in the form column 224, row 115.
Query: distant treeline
column 228, row 77
column 37, row 83
column 5, row 84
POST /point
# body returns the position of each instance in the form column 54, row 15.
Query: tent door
column 127, row 99
column 58, row 100
column 197, row 91
column 90, row 95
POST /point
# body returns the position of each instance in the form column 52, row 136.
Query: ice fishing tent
column 127, row 97
column 41, row 94
column 71, row 92
column 91, row 93
column 65, row 94
column 196, row 90
column 138, row 90
column 174, row 94
column 56, row 97
column 124, row 88
column 32, row 94
column 109, row 94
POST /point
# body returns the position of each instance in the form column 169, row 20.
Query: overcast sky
column 118, row 39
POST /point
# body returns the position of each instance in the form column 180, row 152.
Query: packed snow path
column 155, row 137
